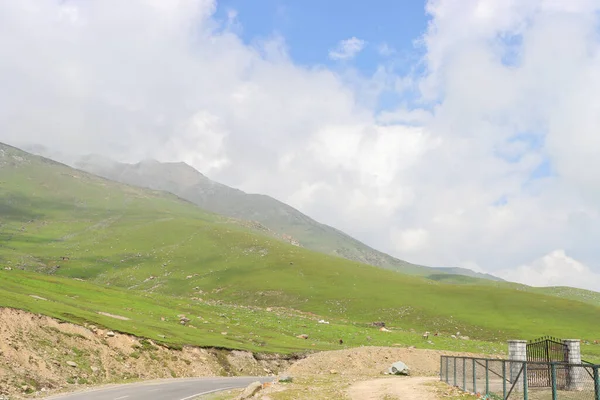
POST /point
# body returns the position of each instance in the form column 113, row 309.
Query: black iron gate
column 547, row 350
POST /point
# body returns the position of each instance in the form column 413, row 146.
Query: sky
column 451, row 133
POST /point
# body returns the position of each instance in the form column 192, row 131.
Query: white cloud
column 554, row 269
column 385, row 50
column 233, row 24
column 347, row 49
column 410, row 240
column 479, row 202
column 206, row 129
column 444, row 180
column 405, row 116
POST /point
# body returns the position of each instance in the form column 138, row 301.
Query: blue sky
column 312, row 27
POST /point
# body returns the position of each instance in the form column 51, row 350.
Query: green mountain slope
column 273, row 216
column 565, row 292
column 163, row 250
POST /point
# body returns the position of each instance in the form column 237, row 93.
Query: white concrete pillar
column 575, row 373
column 517, row 351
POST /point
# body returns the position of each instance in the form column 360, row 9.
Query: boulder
column 399, row 368
column 72, row 364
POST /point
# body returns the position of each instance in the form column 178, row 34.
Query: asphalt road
column 167, row 389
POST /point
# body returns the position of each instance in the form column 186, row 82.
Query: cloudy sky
column 447, row 132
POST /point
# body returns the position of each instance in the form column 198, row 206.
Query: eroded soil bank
column 40, row 355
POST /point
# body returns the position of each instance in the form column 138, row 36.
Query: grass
column 248, row 328
column 322, row 387
column 145, row 255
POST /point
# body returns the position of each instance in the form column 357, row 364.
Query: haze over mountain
column 273, row 217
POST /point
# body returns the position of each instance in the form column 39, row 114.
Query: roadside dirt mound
column 40, row 355
column 371, row 361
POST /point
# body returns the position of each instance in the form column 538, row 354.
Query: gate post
column 596, row 384
column 574, row 357
column 517, row 351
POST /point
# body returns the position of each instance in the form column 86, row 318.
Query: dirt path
column 401, row 388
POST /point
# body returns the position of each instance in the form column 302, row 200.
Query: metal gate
column 547, row 350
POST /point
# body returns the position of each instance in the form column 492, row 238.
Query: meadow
column 87, row 244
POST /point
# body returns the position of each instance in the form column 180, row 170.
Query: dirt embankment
column 40, row 355
column 371, row 361
column 359, row 374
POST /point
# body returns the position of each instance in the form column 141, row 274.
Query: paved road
column 167, row 389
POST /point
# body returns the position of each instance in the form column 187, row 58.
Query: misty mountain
column 262, row 212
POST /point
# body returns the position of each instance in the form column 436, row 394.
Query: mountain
column 93, row 251
column 271, row 215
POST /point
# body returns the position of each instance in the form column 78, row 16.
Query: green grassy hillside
column 564, row 292
column 155, row 316
column 272, row 216
column 146, row 253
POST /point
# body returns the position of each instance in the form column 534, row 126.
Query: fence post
column 573, row 371
column 454, row 371
column 464, row 374
column 441, row 368
column 474, row 377
column 517, row 351
column 553, row 375
column 525, row 383
column 447, row 378
column 596, row 383
column 487, row 377
column 504, row 379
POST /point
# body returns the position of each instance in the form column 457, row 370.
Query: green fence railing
column 527, row 380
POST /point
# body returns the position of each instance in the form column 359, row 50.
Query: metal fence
column 527, row 380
